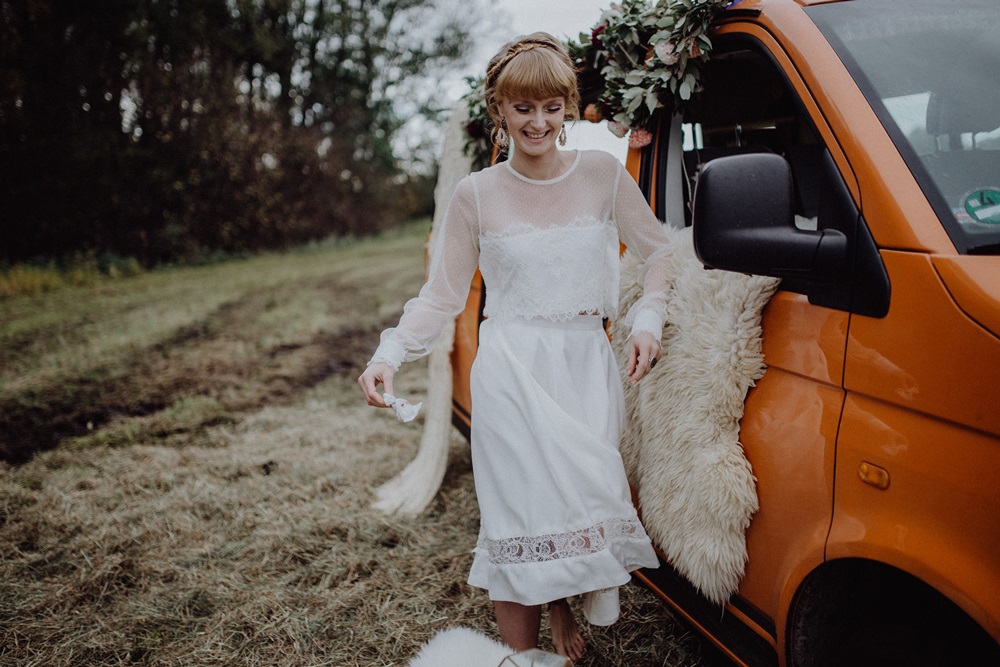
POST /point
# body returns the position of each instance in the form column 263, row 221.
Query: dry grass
column 227, row 522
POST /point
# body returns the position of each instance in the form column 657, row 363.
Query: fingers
column 376, row 374
column 368, row 385
column 642, row 368
column 644, row 355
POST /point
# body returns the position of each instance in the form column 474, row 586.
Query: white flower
column 617, row 129
column 665, row 52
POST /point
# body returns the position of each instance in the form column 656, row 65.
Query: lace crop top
column 546, row 249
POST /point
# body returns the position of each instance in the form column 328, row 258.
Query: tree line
column 161, row 129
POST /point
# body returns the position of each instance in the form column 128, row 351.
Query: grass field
column 188, row 471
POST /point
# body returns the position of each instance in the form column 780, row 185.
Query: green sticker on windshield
column 984, row 206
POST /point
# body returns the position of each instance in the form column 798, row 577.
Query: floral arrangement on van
column 639, row 57
column 648, row 57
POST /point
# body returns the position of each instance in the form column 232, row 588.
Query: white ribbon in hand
column 404, row 410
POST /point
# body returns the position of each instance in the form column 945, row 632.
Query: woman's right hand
column 377, row 373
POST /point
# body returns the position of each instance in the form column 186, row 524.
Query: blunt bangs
column 538, row 74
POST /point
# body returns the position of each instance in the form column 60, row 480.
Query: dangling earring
column 562, row 135
column 502, row 139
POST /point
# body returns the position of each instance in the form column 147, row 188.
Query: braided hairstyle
column 537, row 67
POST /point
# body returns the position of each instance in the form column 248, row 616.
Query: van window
column 930, row 74
column 748, row 106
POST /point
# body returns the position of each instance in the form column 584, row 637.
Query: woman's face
column 533, row 125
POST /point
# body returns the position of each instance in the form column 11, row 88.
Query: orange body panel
column 926, row 355
column 794, row 485
column 798, row 401
column 972, row 282
column 804, row 340
column 463, row 351
column 944, row 488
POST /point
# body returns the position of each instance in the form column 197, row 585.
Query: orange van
column 851, row 148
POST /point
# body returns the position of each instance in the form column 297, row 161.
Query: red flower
column 475, row 130
column 595, row 37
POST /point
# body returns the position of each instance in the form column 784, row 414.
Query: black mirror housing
column 744, row 221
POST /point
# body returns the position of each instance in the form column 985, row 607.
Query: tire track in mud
column 210, row 358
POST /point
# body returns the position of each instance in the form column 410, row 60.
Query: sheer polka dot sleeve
column 454, row 259
column 643, row 234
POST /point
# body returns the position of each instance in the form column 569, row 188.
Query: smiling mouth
column 539, row 135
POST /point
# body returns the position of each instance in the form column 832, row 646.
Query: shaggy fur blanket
column 465, row 647
column 681, row 447
column 461, row 647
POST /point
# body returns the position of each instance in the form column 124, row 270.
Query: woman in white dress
column 544, row 229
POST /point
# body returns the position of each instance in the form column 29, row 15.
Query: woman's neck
column 545, row 167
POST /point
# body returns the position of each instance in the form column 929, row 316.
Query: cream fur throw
column 412, row 490
column 681, row 443
column 461, row 647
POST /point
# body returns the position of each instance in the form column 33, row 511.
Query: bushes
column 144, row 130
column 39, row 277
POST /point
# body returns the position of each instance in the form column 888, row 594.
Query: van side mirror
column 744, row 221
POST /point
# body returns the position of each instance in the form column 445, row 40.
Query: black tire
column 863, row 614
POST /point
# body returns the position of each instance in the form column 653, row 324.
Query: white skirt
column 556, row 513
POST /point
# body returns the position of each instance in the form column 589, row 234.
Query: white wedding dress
column 556, row 512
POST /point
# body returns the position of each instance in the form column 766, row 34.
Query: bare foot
column 566, row 637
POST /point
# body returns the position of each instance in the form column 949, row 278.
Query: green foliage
column 478, row 129
column 159, row 129
column 649, row 55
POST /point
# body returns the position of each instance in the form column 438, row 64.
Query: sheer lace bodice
column 535, row 271
column 546, row 249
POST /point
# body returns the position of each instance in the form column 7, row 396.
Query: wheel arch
column 859, row 611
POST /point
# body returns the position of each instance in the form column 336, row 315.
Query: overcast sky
column 562, row 18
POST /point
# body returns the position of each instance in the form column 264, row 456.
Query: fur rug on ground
column 461, row 647
column 681, row 447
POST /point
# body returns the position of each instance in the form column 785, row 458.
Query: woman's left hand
column 645, row 350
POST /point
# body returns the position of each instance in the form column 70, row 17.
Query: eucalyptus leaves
column 478, row 144
column 648, row 56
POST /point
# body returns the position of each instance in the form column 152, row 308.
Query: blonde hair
column 537, row 67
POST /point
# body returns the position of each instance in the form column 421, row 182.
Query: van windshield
column 931, row 71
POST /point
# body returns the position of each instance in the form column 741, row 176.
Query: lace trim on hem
column 583, row 542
